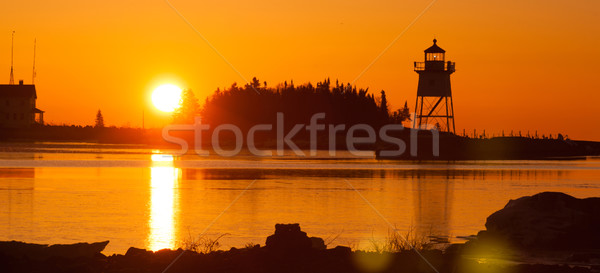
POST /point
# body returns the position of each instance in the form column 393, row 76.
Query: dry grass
column 250, row 245
column 201, row 244
column 330, row 239
column 397, row 242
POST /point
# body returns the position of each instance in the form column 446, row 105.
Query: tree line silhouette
column 256, row 103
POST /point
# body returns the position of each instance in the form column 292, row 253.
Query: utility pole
column 33, row 73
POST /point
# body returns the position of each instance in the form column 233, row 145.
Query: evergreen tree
column 401, row 115
column 384, row 104
column 342, row 103
column 189, row 108
column 99, row 120
column 405, row 112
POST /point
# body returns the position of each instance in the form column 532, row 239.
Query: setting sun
column 166, row 97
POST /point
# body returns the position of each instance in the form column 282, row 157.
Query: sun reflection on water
column 164, row 179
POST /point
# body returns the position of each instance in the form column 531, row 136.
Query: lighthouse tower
column 434, row 105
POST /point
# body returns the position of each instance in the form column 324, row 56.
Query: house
column 17, row 106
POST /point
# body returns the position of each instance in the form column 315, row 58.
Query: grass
column 394, row 242
column 330, row 239
column 397, row 242
column 202, row 243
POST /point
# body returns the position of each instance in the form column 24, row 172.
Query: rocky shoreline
column 546, row 232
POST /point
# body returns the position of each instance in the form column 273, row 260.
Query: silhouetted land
column 339, row 104
column 261, row 259
column 64, row 133
column 452, row 147
column 256, row 103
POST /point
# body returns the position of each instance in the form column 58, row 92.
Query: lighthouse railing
column 448, row 66
column 419, row 66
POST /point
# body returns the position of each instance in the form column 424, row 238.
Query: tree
column 401, row 115
column 405, row 112
column 99, row 120
column 189, row 108
column 255, row 84
column 384, row 104
column 342, row 104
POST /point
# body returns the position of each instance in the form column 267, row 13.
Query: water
column 67, row 193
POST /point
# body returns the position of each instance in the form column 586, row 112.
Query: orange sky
column 524, row 65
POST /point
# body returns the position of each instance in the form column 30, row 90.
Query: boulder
column 43, row 252
column 547, row 220
column 318, row 243
column 287, row 238
column 134, row 251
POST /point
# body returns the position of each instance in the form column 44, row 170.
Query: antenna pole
column 12, row 44
column 33, row 73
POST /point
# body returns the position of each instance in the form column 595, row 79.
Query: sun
column 166, row 97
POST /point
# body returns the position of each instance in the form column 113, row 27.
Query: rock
column 288, row 237
column 43, row 252
column 77, row 250
column 454, row 249
column 317, row 243
column 133, row 251
column 585, row 257
column 166, row 256
column 339, row 252
column 548, row 220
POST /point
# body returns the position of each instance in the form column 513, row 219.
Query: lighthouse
column 434, row 106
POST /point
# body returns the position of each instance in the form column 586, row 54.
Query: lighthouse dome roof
column 434, row 48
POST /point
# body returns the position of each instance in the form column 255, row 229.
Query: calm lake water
column 68, row 193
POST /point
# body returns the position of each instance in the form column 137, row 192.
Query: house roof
column 17, row 91
column 434, row 48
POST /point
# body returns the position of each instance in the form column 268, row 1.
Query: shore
column 418, row 144
column 546, row 232
column 286, row 258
